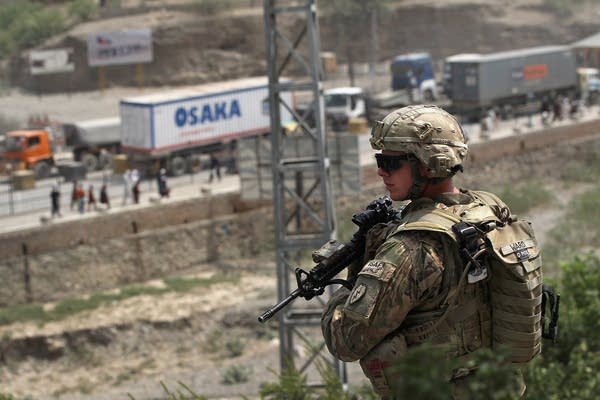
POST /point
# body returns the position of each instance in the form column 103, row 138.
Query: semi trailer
column 173, row 129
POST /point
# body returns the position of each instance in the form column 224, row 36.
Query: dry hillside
column 191, row 47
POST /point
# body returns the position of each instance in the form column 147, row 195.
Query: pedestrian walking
column 161, row 180
column 55, row 201
column 126, row 186
column 80, row 198
column 215, row 167
column 73, row 196
column 135, row 190
column 104, row 199
column 91, row 199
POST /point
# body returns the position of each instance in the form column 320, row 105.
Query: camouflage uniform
column 411, row 277
column 409, row 274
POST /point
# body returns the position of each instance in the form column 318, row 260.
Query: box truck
column 476, row 82
column 171, row 129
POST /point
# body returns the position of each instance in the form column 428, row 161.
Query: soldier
column 413, row 269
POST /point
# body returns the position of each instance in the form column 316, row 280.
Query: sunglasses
column 390, row 163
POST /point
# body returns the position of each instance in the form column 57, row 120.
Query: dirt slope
column 191, row 47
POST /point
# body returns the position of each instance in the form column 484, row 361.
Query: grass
column 72, row 306
column 578, row 229
column 524, row 196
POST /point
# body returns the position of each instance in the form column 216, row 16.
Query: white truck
column 171, row 129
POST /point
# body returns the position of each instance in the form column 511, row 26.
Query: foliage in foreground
column 565, row 370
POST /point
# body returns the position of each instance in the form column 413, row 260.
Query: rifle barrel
column 273, row 310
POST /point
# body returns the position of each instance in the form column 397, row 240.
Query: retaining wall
column 87, row 255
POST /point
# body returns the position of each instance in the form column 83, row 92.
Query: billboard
column 123, row 47
column 51, row 61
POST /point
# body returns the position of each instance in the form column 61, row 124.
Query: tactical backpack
column 501, row 250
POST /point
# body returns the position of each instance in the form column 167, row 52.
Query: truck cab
column 589, row 82
column 29, row 149
column 413, row 72
column 345, row 101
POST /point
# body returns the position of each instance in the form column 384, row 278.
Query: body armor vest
column 494, row 282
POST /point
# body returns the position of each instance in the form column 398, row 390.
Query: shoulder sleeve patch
column 378, row 269
column 368, row 290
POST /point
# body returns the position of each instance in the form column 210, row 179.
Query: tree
column 352, row 18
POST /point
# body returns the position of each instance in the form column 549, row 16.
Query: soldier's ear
column 423, row 170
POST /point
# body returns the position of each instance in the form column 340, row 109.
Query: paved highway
column 32, row 207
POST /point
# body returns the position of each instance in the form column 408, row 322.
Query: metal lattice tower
column 302, row 195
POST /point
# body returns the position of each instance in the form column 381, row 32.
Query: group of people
column 84, row 200
column 80, row 198
column 131, row 185
column 560, row 108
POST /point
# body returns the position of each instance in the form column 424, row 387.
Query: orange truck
column 29, row 149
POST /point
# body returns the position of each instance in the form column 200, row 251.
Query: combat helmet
column 427, row 132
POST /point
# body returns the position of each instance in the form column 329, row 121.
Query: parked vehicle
column 172, row 129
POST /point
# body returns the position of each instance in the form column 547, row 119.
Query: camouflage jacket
column 408, row 272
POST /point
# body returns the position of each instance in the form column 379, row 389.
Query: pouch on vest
column 515, row 289
column 509, row 256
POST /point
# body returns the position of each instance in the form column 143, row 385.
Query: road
column 182, row 188
column 190, row 186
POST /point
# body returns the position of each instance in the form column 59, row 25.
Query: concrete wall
column 88, row 255
column 83, row 256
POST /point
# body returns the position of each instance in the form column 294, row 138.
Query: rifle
column 333, row 256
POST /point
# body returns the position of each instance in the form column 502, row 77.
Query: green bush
column 236, row 374
column 235, row 347
column 292, row 385
column 83, row 10
column 27, row 24
column 565, row 370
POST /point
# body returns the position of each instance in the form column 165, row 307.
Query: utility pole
column 302, row 194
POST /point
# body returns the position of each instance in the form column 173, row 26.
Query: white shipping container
column 199, row 115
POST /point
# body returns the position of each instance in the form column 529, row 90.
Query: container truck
column 171, row 129
column 94, row 141
column 477, row 82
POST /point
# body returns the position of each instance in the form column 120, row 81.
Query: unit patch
column 357, row 293
column 374, row 268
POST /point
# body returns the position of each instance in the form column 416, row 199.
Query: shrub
column 27, row 24
column 565, row 370
column 235, row 347
column 83, row 10
column 236, row 374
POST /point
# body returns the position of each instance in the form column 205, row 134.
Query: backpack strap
column 440, row 220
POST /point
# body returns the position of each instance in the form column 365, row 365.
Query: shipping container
column 510, row 77
column 173, row 127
